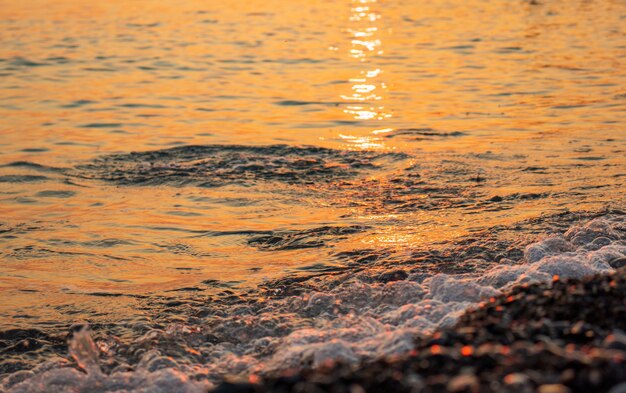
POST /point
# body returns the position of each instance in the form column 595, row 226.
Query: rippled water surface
column 156, row 152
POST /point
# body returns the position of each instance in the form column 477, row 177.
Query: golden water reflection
column 366, row 98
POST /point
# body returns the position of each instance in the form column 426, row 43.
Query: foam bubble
column 166, row 377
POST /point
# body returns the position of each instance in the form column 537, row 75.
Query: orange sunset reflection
column 366, row 99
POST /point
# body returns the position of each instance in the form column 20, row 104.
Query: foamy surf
column 348, row 321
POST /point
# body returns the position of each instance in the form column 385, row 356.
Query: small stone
column 553, row 388
column 464, row 383
column 618, row 263
column 356, row 389
column 516, row 379
column 395, row 275
column 616, row 341
column 161, row 362
column 517, row 383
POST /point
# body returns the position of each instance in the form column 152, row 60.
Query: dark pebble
column 395, row 275
column 618, row 263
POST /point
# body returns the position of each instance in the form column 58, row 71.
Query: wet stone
column 618, row 263
column 394, row 275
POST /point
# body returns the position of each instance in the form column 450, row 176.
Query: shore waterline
column 345, row 320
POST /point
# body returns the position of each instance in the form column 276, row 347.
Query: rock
column 518, row 383
column 554, row 388
column 618, row 263
column 394, row 275
column 616, row 341
column 464, row 384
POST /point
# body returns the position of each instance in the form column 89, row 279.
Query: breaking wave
column 346, row 318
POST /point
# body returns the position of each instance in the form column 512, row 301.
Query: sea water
column 247, row 187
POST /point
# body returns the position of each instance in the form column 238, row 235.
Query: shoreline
column 530, row 339
column 348, row 322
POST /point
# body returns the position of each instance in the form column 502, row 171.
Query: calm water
column 401, row 125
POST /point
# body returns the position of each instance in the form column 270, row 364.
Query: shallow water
column 157, row 155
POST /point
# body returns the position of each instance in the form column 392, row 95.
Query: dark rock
column 618, row 262
column 394, row 275
column 228, row 387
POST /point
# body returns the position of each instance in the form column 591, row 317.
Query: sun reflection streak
column 367, row 88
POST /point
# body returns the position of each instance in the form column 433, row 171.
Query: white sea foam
column 352, row 322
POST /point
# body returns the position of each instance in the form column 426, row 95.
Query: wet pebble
column 618, row 263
